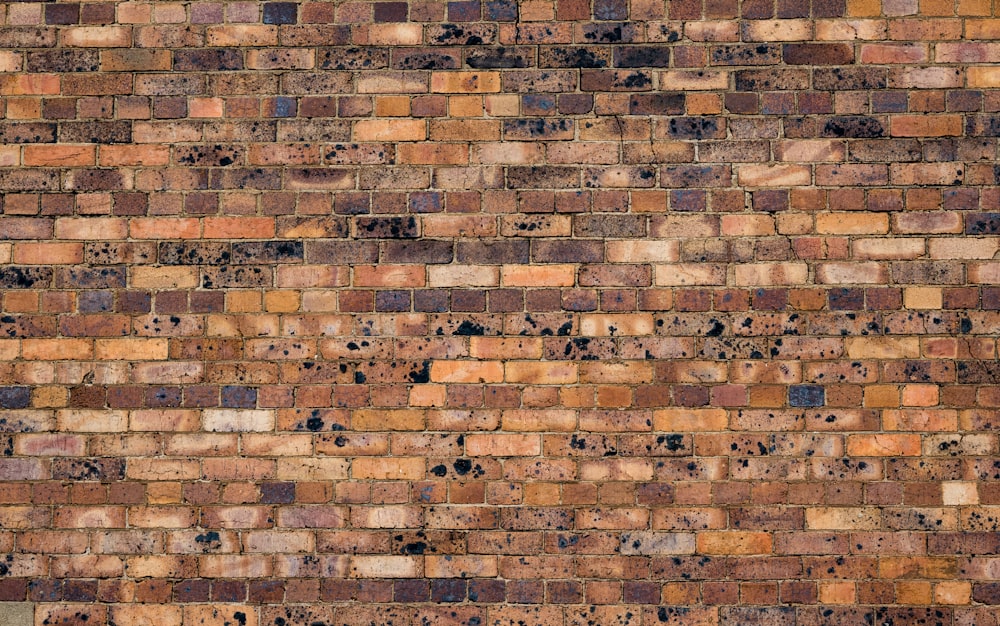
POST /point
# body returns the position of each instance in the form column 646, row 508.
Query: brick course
column 550, row 312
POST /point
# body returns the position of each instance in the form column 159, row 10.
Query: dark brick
column 818, row 53
column 500, row 58
column 642, row 56
column 849, row 78
column 62, row 14
column 76, row 60
column 853, row 127
column 280, row 12
column 806, row 395
column 567, row 251
column 386, row 227
column 390, row 11
column 422, row 251
column 696, row 128
column 238, row 396
column 657, row 104
column 15, row 397
column 746, row 54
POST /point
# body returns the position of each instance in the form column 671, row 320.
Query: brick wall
column 499, row 313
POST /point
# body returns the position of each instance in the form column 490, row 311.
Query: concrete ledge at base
column 17, row 614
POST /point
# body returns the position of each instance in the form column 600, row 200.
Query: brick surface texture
column 485, row 312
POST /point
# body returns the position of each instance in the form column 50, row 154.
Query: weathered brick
column 529, row 328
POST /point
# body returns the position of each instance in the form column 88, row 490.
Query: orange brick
column 538, row 275
column 465, row 82
column 165, row 228
column 389, row 419
column 239, row 227
column 48, row 253
column 66, row 156
column 926, row 125
column 734, row 542
column 434, row 154
column 467, row 372
column 883, row 445
column 390, row 129
column 541, row 372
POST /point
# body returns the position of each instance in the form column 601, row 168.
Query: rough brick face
column 496, row 312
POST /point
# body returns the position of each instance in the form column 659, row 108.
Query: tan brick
column 539, row 420
column 922, row 297
column 538, row 275
column 467, row 371
column 658, row 251
column 146, row 615
column 384, row 567
column 979, row 76
column 616, row 325
column 851, row 273
column 689, row 274
column 843, row 518
column 57, row 349
column 390, row 129
column 465, row 82
column 389, row 419
column 164, row 277
column 463, row 276
column 460, row 566
column 91, row 228
column 852, row 223
column 685, row 419
column 774, row 175
column 733, row 542
column 395, row 34
column 883, row 347
column 220, row 615
column 763, row 274
column 502, row 445
column 242, row 35
column 131, row 349
column 97, row 37
column 777, row 30
column 238, row 420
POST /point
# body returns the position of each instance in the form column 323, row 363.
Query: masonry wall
column 500, row 313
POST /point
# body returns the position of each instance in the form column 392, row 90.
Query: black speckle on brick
column 499, row 58
column 423, row 375
column 717, row 329
column 467, row 328
column 387, row 227
column 982, row 223
column 28, row 277
column 692, row 127
column 853, row 127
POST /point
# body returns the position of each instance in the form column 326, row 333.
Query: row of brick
column 671, row 614
column 28, row 32
column 432, row 60
column 685, row 505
